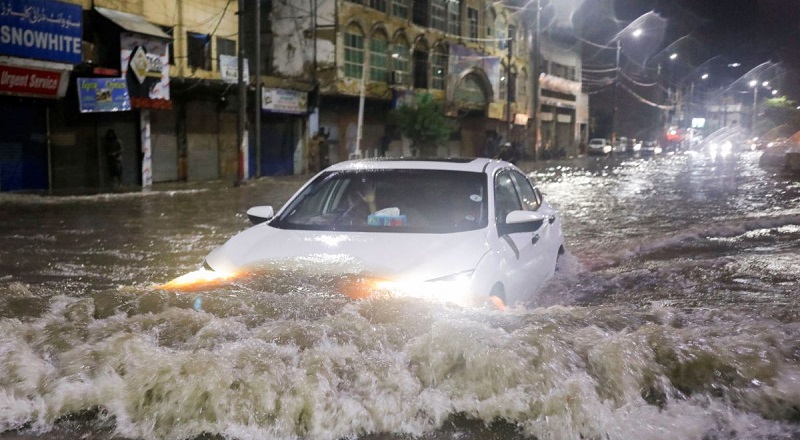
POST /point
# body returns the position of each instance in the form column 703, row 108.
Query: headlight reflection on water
column 197, row 279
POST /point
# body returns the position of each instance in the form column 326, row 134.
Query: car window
column 530, row 201
column 432, row 201
column 505, row 196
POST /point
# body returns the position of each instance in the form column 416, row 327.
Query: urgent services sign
column 35, row 82
column 41, row 29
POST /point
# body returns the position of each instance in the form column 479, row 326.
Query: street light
column 754, row 85
column 636, row 33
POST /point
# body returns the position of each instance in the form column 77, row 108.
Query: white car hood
column 426, row 256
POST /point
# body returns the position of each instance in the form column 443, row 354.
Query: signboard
column 284, row 101
column 144, row 63
column 41, row 83
column 41, row 29
column 463, row 58
column 229, row 69
column 103, row 95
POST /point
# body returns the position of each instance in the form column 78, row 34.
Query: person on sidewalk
column 114, row 151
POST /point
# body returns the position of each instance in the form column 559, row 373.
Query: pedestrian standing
column 114, row 151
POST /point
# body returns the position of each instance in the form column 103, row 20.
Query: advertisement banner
column 284, row 101
column 463, row 58
column 229, row 69
column 103, row 95
column 145, row 67
column 41, row 29
column 24, row 81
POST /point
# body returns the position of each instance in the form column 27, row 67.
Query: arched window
column 400, row 61
column 438, row 67
column 491, row 18
column 353, row 52
column 501, row 30
column 421, row 64
column 378, row 58
column 522, row 87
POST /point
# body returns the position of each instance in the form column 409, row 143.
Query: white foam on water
column 398, row 366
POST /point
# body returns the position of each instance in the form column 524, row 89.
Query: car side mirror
column 521, row 221
column 260, row 214
column 516, row 217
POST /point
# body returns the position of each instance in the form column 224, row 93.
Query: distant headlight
column 452, row 288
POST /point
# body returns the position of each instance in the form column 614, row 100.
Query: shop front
column 36, row 57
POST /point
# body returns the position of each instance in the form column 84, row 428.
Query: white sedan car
column 468, row 231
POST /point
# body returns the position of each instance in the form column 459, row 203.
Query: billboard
column 41, row 29
column 103, row 95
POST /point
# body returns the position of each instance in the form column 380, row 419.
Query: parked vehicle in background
column 598, row 147
column 647, row 148
column 623, row 145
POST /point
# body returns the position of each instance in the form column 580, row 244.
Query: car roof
column 477, row 164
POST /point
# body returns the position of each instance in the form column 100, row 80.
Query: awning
column 133, row 23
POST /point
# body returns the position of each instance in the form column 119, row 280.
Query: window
column 453, row 17
column 400, row 61
column 522, row 85
column 512, row 83
column 225, row 47
column 199, row 50
column 530, row 199
column 472, row 16
column 469, row 92
column 353, row 52
column 378, row 62
column 505, row 197
column 438, row 65
column 400, row 8
column 380, row 5
column 420, row 68
column 170, row 30
column 490, row 22
column 439, row 15
column 420, row 13
column 500, row 30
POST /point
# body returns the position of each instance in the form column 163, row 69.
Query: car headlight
column 454, row 288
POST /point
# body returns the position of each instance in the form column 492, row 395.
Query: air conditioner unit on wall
column 398, row 77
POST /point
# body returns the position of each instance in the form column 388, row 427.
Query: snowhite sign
column 41, row 29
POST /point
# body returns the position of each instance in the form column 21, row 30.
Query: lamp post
column 754, row 85
column 636, row 33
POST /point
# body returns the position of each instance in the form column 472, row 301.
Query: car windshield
column 420, row 201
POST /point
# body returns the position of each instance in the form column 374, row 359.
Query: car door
column 549, row 234
column 521, row 259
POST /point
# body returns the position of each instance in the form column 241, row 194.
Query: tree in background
column 424, row 124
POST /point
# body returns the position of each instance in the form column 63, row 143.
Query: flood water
column 674, row 316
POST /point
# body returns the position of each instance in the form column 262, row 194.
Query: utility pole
column 536, row 73
column 615, row 109
column 257, row 94
column 241, row 132
column 509, row 87
column 755, row 110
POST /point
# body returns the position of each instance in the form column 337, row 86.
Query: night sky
column 731, row 40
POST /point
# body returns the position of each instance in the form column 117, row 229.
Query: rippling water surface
column 674, row 316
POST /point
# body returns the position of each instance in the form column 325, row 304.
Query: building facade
column 163, row 76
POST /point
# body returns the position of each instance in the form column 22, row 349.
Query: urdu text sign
column 41, row 29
